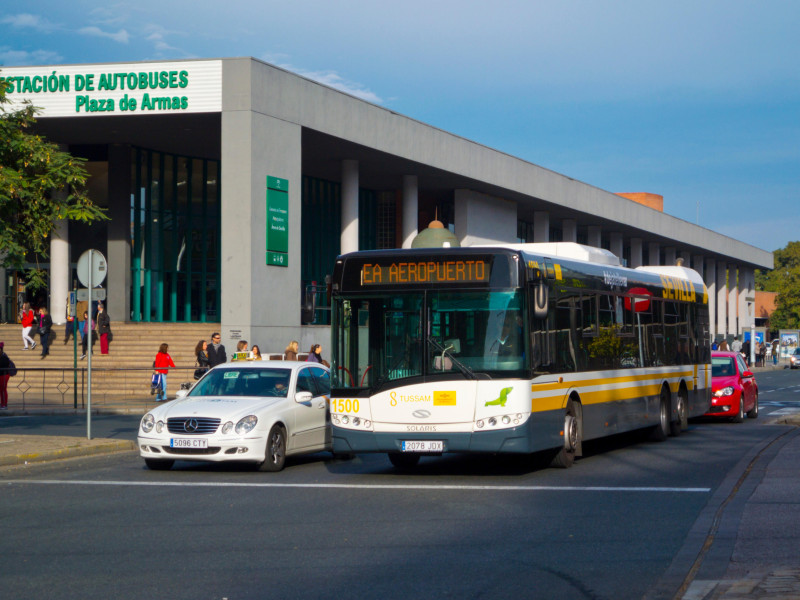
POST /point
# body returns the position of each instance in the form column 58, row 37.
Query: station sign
column 277, row 221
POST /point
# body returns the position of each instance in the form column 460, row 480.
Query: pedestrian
column 216, row 351
column 714, row 346
column 291, row 351
column 103, row 328
column 201, row 356
column 86, row 333
column 45, row 324
column 736, row 346
column 775, row 350
column 723, row 346
column 5, row 374
column 762, row 354
column 27, row 318
column 162, row 364
column 315, row 354
column 82, row 309
column 745, row 350
column 255, row 352
column 70, row 324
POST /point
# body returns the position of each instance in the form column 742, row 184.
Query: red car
column 734, row 391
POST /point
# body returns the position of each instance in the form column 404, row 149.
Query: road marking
column 785, row 411
column 360, row 486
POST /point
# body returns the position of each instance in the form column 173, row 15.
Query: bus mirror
column 540, row 299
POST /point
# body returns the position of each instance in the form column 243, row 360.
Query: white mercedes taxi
column 258, row 412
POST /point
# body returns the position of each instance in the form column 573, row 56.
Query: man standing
column 216, row 351
column 736, row 346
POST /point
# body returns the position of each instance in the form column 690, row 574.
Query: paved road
column 620, row 524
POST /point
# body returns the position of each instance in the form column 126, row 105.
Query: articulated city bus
column 511, row 349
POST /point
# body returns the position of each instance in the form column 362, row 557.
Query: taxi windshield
column 243, row 382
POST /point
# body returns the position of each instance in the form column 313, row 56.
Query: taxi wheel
column 275, row 457
column 403, row 461
column 156, row 464
column 753, row 412
column 740, row 417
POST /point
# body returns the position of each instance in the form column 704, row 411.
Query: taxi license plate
column 188, row 443
column 423, row 446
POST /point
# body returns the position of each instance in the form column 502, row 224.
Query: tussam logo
column 421, row 414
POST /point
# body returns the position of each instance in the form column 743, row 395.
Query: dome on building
column 435, row 236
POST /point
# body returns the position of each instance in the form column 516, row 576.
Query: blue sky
column 696, row 101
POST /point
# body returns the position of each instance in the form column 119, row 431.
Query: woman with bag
column 45, row 324
column 7, row 369
column 103, row 328
column 201, row 352
column 161, row 365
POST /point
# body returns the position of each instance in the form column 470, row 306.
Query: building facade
column 231, row 186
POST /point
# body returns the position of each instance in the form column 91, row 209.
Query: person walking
column 82, row 309
column 775, row 349
column 315, row 354
column 86, row 333
column 103, row 328
column 27, row 317
column 5, row 374
column 291, row 351
column 45, row 325
column 70, row 324
column 216, row 351
column 162, row 364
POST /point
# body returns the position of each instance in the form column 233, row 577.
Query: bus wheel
column 572, row 439
column 661, row 431
column 682, row 422
column 403, row 461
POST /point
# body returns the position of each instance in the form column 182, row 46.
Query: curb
column 69, row 452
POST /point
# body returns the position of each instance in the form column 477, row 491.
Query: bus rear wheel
column 402, row 461
column 662, row 430
column 682, row 422
column 565, row 456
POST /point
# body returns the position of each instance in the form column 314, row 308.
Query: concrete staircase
column 124, row 372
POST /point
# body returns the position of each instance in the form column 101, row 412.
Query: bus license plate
column 188, row 443
column 423, row 446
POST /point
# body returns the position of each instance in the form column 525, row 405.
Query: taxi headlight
column 246, row 424
column 148, row 421
column 227, row 427
column 159, row 426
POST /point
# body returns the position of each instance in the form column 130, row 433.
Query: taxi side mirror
column 303, row 397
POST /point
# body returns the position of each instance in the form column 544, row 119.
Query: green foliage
column 785, row 280
column 39, row 185
column 607, row 344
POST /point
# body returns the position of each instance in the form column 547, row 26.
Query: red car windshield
column 722, row 366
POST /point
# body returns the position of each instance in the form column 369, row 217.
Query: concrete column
column 59, row 271
column 733, row 300
column 541, row 226
column 594, row 237
column 711, row 284
column 616, row 245
column 410, row 209
column 722, row 298
column 698, row 264
column 118, row 282
column 670, row 254
column 654, row 253
column 746, row 300
column 569, row 230
column 349, row 235
column 636, row 253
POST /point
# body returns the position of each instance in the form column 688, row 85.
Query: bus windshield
column 380, row 339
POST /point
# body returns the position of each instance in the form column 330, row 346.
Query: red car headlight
column 726, row 391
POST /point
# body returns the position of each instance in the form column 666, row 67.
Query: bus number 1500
column 342, row 405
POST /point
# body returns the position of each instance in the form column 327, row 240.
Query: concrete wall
column 481, row 219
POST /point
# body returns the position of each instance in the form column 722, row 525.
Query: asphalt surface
column 756, row 511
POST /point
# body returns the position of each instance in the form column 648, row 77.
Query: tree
column 39, row 185
column 785, row 280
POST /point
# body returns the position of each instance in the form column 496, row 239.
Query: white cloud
column 120, row 36
column 22, row 58
column 28, row 21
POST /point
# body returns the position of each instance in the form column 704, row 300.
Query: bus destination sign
column 425, row 271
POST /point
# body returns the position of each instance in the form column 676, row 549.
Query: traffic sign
column 97, row 294
column 93, row 274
